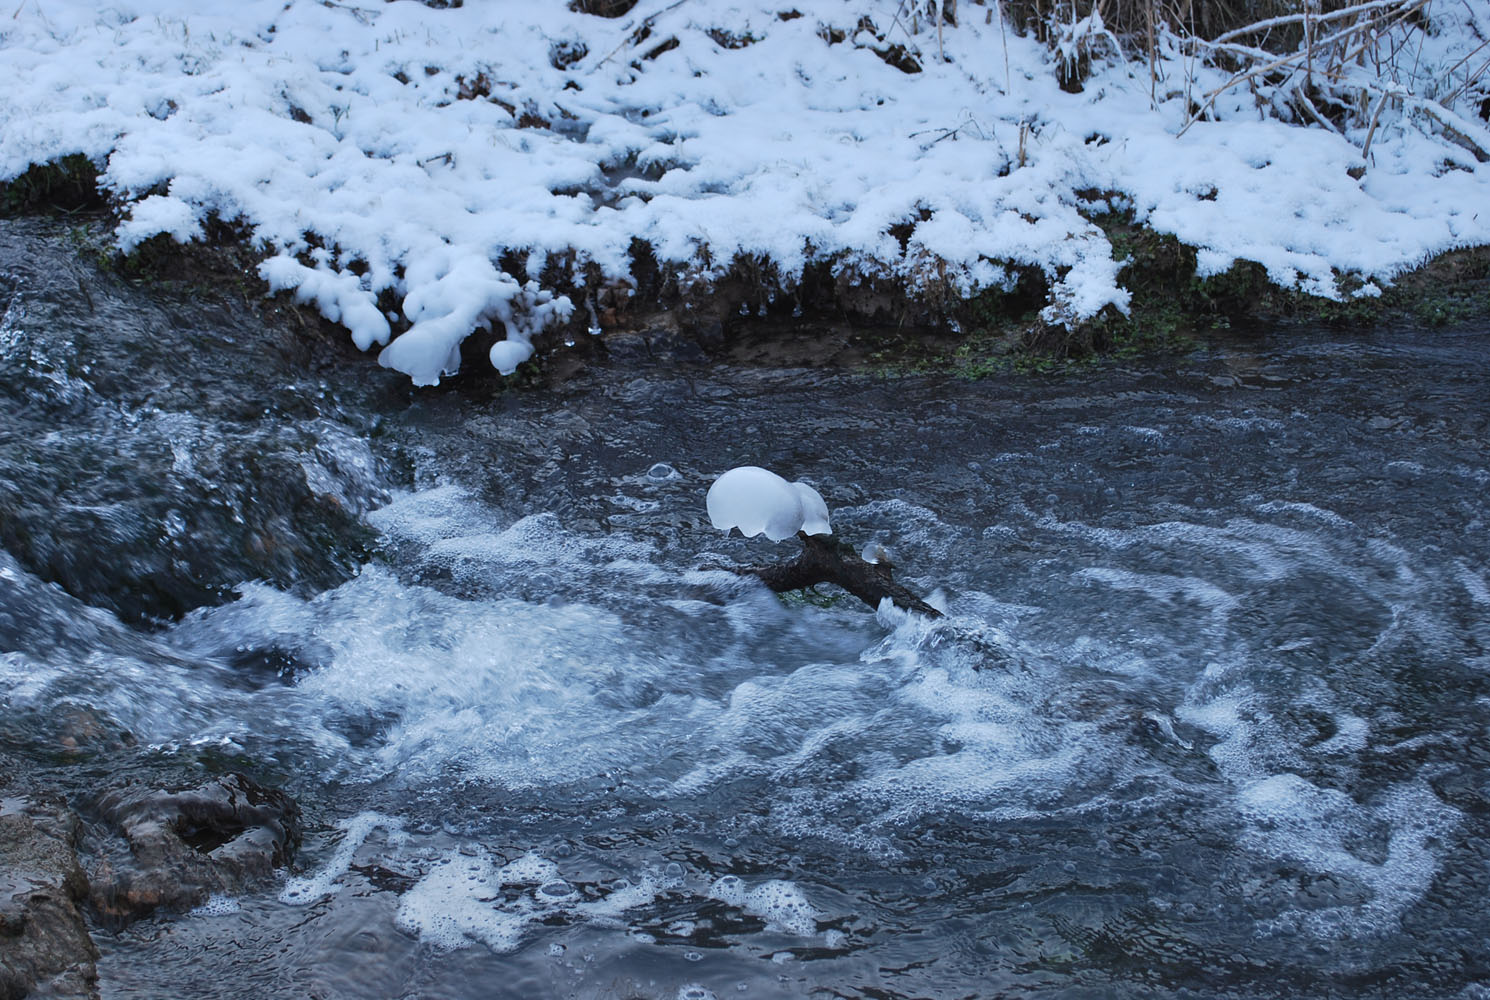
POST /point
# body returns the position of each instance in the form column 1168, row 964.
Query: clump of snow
column 506, row 355
column 758, row 501
column 402, row 151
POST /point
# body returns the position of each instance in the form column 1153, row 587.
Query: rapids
column 1223, row 732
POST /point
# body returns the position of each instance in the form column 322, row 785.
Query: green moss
column 66, row 185
column 811, row 596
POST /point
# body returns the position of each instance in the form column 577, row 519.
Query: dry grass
column 1207, row 20
column 1334, row 64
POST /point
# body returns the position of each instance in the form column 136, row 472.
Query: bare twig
column 1308, row 46
column 1308, row 105
column 631, row 35
column 1292, row 59
column 1153, row 53
column 941, row 54
column 1381, row 102
column 1004, row 37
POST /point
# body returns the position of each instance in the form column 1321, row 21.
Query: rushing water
column 1222, row 730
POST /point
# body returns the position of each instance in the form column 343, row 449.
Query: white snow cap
column 757, row 501
column 506, row 355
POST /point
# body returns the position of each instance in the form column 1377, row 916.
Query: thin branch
column 1308, row 106
column 941, row 54
column 631, row 35
column 1274, row 22
column 1371, row 131
column 1290, row 59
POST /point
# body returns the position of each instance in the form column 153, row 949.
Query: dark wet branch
column 826, row 560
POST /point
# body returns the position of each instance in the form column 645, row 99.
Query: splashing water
column 1204, row 714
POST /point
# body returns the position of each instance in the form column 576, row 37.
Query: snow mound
column 758, row 501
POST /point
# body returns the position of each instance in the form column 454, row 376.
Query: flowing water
column 1209, row 716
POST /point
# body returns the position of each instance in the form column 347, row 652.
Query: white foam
column 216, row 906
column 465, row 899
column 1163, row 586
column 1306, row 509
column 780, row 903
column 307, row 890
column 528, row 869
column 459, row 902
column 1290, row 818
column 1474, row 584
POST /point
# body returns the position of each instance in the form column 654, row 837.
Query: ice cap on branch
column 757, row 501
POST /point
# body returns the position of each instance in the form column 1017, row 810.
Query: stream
column 1222, row 731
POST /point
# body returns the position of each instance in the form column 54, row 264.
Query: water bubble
column 216, row 906
column 662, row 471
column 556, row 949
column 694, row 956
column 556, row 889
column 673, row 873
column 693, row 991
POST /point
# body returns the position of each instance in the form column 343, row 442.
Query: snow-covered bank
column 394, row 148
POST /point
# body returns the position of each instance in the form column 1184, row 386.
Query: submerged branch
column 824, row 560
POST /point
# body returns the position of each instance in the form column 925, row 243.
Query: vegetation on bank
column 890, row 329
column 894, row 328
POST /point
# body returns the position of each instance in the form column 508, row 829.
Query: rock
column 196, row 433
column 184, row 846
column 44, row 942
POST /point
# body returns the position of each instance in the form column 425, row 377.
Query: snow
column 392, row 150
column 758, row 501
column 506, row 355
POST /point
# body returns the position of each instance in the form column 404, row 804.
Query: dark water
column 1224, row 732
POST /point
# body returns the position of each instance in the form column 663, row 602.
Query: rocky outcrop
column 44, row 942
column 173, row 849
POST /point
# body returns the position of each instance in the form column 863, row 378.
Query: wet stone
column 185, row 846
column 45, row 949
